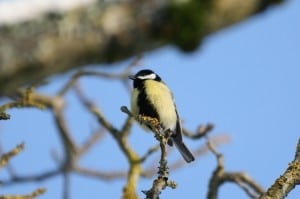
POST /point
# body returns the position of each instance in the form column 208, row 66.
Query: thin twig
column 32, row 195
column 70, row 147
column 91, row 141
column 31, row 178
column 107, row 176
column 4, row 159
column 82, row 73
column 150, row 151
column 202, row 131
column 97, row 112
column 66, row 185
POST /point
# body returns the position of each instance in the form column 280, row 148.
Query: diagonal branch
column 97, row 112
column 121, row 137
column 4, row 159
column 287, row 181
column 90, row 142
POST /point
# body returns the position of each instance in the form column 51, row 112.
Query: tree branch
column 109, row 31
column 287, row 181
column 202, row 131
column 121, row 137
column 162, row 180
column 4, row 159
column 220, row 176
column 32, row 195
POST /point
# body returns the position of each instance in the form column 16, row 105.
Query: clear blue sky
column 244, row 79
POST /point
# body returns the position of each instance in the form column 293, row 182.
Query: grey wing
column 178, row 130
column 177, row 140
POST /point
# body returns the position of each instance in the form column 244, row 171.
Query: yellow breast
column 161, row 97
column 134, row 97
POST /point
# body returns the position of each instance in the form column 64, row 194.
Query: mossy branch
column 162, row 180
column 287, row 181
column 109, row 31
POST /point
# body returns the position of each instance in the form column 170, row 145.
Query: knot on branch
column 159, row 184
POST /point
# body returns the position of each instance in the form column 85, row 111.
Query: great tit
column 152, row 98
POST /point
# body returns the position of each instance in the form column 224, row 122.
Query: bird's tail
column 184, row 151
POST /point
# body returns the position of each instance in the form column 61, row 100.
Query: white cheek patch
column 150, row 76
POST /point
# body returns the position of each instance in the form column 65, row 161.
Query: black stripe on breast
column 145, row 107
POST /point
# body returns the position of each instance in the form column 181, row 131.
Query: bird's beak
column 132, row 77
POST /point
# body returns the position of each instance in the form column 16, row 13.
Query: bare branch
column 79, row 74
column 201, row 131
column 70, row 147
column 4, row 159
column 250, row 187
column 66, row 185
column 112, row 175
column 73, row 153
column 32, row 195
column 97, row 112
column 149, row 152
column 220, row 176
column 92, row 141
column 162, row 180
column 31, row 178
column 287, row 181
column 122, row 139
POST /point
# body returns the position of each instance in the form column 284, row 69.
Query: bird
column 151, row 97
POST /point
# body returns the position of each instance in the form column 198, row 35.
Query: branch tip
column 297, row 154
column 4, row 159
column 124, row 109
column 172, row 184
column 4, row 116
